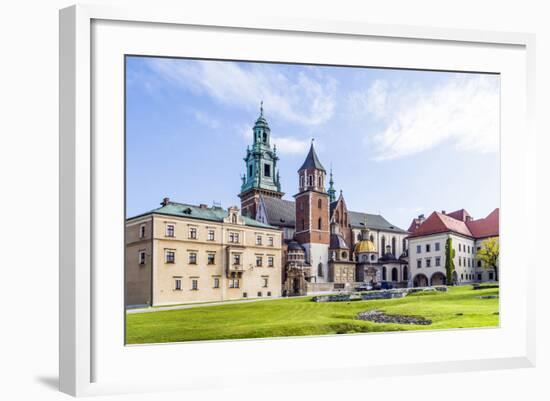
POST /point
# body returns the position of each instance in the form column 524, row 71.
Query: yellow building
column 181, row 253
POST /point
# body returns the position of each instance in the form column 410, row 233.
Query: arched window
column 404, row 244
column 358, row 237
column 372, row 257
column 301, row 180
column 320, row 203
column 320, row 270
column 310, row 181
column 383, row 245
column 405, row 273
column 371, row 238
column 393, row 247
column 250, row 170
column 394, row 274
column 234, row 218
column 265, row 137
column 384, row 273
column 319, row 223
column 364, row 258
column 320, row 181
column 344, row 255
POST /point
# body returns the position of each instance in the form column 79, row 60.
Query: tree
column 449, row 260
column 488, row 254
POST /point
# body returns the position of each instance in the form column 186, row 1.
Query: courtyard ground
column 460, row 307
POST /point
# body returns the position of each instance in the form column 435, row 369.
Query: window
column 428, row 248
column 258, row 261
column 479, row 277
column 468, row 248
column 259, row 293
column 234, row 237
column 194, row 284
column 142, row 231
column 438, row 261
column 265, row 281
column 319, row 223
column 170, row 230
column 320, row 270
column 193, row 233
column 459, row 247
column 320, row 181
column 479, row 263
column 267, row 170
column 459, row 261
column 192, row 258
column 250, row 170
column 270, row 241
column 258, row 240
column 269, row 293
column 320, row 203
column 141, row 257
column 428, row 262
column 490, row 275
column 216, row 282
column 236, row 259
column 301, row 205
column 211, row 235
column 303, row 224
column 270, row 261
column 418, row 263
column 468, row 262
column 310, row 181
column 301, row 180
column 170, row 256
column 437, row 246
column 234, row 283
column 177, row 284
column 211, row 258
column 418, row 249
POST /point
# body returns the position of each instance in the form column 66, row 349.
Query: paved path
column 199, row 305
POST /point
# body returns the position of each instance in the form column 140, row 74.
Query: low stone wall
column 370, row 295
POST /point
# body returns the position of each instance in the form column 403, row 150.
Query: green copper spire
column 261, row 159
column 331, row 191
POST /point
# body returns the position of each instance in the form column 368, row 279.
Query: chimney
column 443, row 212
column 165, row 201
column 421, row 217
column 203, row 206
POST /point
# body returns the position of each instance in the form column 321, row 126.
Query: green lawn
column 460, row 307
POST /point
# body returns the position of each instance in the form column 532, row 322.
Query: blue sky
column 400, row 142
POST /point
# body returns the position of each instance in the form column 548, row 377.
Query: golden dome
column 365, row 246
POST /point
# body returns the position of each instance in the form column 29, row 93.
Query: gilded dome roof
column 365, row 246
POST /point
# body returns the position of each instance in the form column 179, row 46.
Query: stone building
column 180, row 253
column 320, row 225
column 427, row 247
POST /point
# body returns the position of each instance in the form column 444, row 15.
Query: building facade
column 181, row 253
column 428, row 241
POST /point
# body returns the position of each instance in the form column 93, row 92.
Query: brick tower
column 312, row 215
column 262, row 175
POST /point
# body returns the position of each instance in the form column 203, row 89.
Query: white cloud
column 205, row 119
column 463, row 111
column 291, row 145
column 303, row 99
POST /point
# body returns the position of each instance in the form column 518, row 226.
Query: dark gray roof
column 280, row 212
column 278, row 209
column 312, row 161
column 337, row 242
column 374, row 222
column 295, row 246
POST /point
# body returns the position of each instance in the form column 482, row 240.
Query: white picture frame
column 93, row 363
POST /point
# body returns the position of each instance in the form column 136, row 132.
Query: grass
column 460, row 307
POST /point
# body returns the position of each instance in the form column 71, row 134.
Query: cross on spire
column 261, row 108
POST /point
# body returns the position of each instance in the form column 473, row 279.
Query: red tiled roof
column 487, row 227
column 461, row 215
column 440, row 223
column 415, row 223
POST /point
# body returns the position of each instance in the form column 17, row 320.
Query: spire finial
column 312, row 140
column 261, row 108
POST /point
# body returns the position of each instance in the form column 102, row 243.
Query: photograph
column 268, row 199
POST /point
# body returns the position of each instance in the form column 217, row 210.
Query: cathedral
column 326, row 247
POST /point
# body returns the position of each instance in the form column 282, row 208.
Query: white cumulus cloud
column 303, row 99
column 463, row 111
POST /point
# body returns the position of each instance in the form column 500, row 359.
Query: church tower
column 312, row 215
column 262, row 175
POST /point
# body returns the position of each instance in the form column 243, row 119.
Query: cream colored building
column 182, row 253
